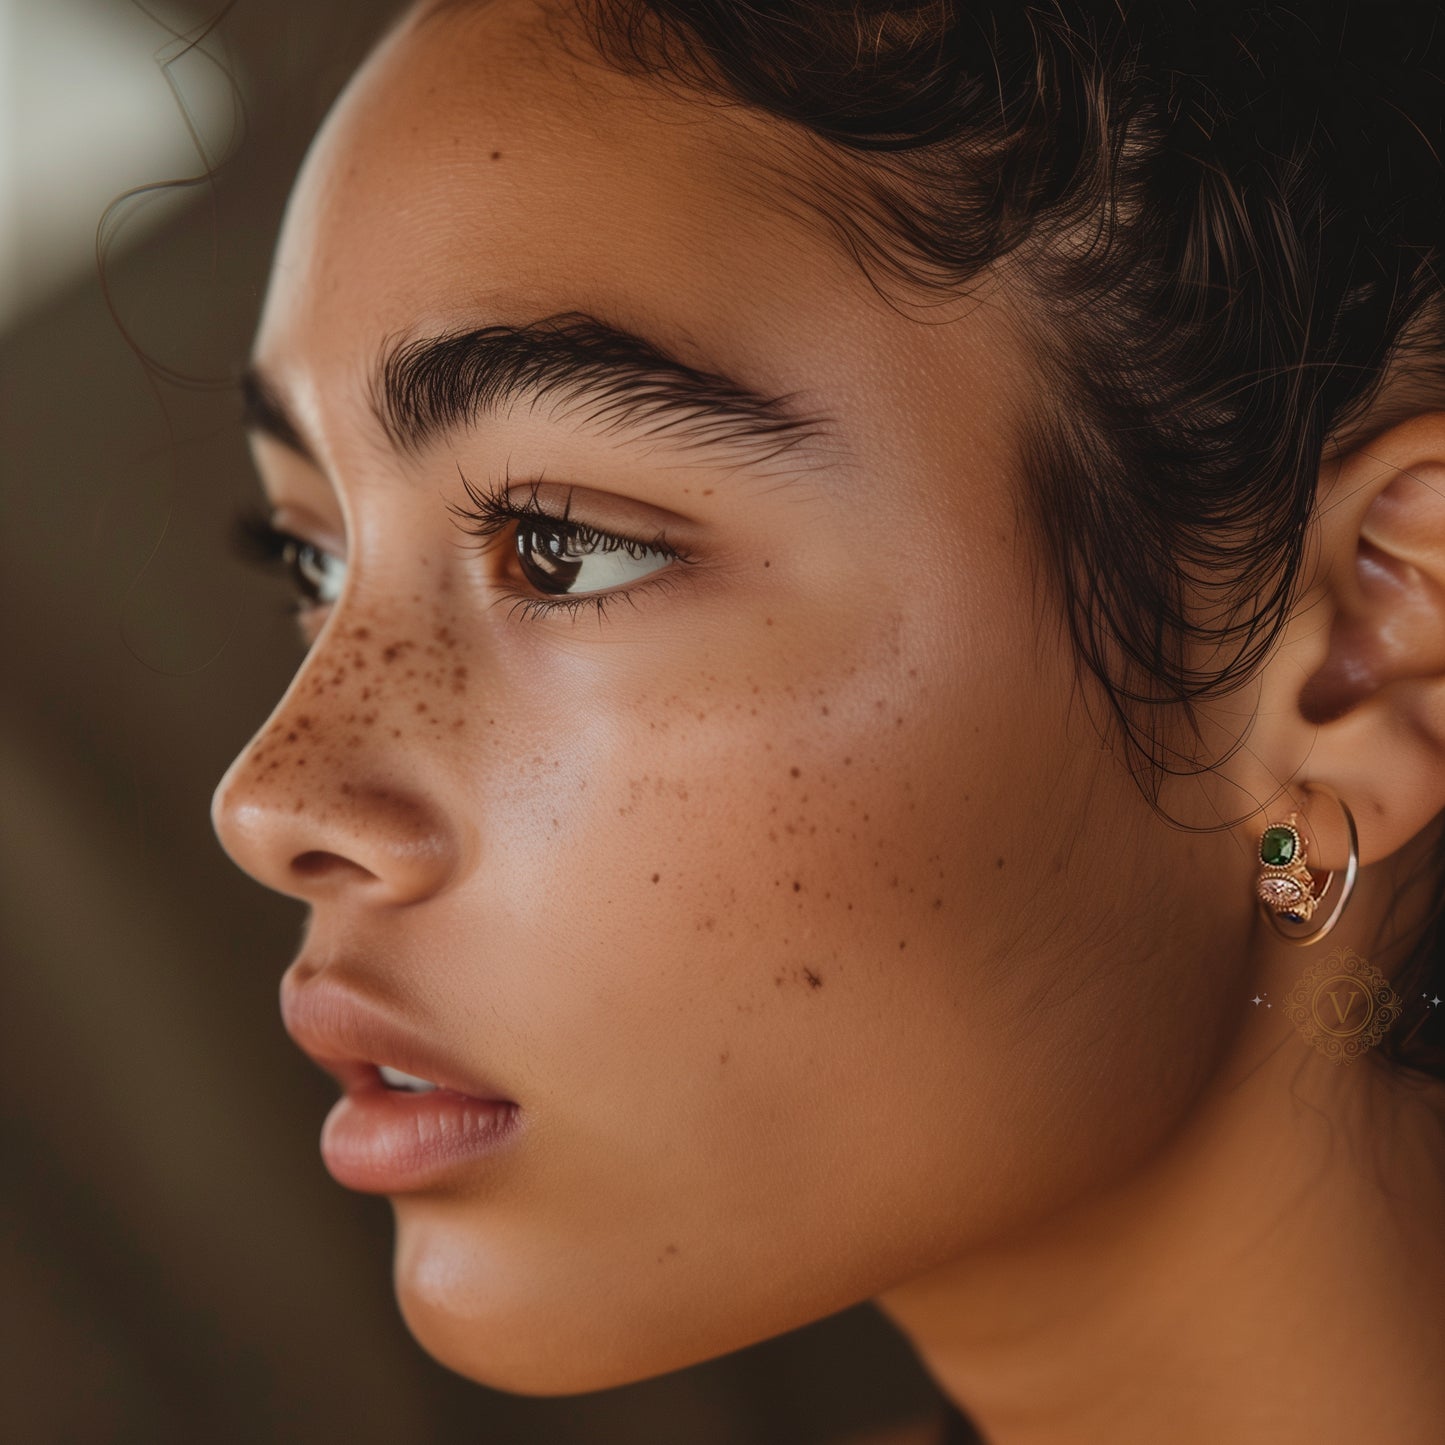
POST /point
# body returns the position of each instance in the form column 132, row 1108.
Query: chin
column 537, row 1328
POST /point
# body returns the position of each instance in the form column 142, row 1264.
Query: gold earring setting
column 1285, row 885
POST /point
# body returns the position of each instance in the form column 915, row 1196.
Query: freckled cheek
column 718, row 904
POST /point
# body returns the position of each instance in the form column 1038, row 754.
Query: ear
column 1354, row 694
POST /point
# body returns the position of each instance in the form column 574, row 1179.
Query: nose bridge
column 334, row 790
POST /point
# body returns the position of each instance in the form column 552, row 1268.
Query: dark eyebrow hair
column 422, row 389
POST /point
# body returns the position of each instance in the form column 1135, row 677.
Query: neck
column 1274, row 1273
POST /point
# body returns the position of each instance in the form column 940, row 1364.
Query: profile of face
column 770, row 865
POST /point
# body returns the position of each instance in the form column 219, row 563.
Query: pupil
column 554, row 569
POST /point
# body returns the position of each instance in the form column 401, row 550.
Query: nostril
column 318, row 864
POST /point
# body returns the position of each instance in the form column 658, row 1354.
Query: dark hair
column 1230, row 220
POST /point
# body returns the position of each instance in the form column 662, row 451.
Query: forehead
column 475, row 171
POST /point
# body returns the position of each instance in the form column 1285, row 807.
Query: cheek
column 767, row 937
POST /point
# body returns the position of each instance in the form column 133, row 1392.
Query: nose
column 332, row 798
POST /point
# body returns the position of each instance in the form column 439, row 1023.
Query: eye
column 558, row 556
column 316, row 574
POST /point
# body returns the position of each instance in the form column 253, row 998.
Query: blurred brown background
column 176, row 1264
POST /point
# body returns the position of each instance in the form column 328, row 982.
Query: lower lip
column 390, row 1141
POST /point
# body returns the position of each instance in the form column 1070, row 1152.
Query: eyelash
column 492, row 510
column 260, row 541
column 257, row 540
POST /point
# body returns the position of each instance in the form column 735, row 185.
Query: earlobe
column 1373, row 696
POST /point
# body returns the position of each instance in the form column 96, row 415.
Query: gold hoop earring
column 1285, row 886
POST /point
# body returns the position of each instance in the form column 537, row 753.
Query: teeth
column 396, row 1079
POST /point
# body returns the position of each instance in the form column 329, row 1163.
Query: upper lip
column 349, row 1037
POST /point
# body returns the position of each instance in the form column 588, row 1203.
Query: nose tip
column 312, row 829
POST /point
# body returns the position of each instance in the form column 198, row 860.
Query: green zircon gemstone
column 1276, row 848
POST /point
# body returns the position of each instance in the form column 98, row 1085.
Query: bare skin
column 828, row 953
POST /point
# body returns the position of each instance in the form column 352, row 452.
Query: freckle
column 768, row 620
column 496, row 155
column 656, row 876
column 365, row 693
column 421, row 707
column 825, row 712
column 795, row 772
column 300, row 762
column 347, row 789
column 903, row 943
column 938, row 903
column 361, row 633
column 396, row 732
column 353, row 741
column 411, row 672
column 898, row 722
column 291, row 737
column 303, row 723
column 722, row 1058
column 813, row 980
column 456, row 722
column 767, row 564
column 846, row 761
column 297, row 808
column 1000, row 862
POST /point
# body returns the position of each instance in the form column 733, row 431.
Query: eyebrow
column 422, row 390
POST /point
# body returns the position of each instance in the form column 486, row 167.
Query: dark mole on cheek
column 813, row 980
column 1000, row 862
column 496, row 155
column 656, row 876
column 795, row 772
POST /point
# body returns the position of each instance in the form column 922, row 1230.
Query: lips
column 350, row 1038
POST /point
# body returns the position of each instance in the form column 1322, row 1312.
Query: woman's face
column 792, row 898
